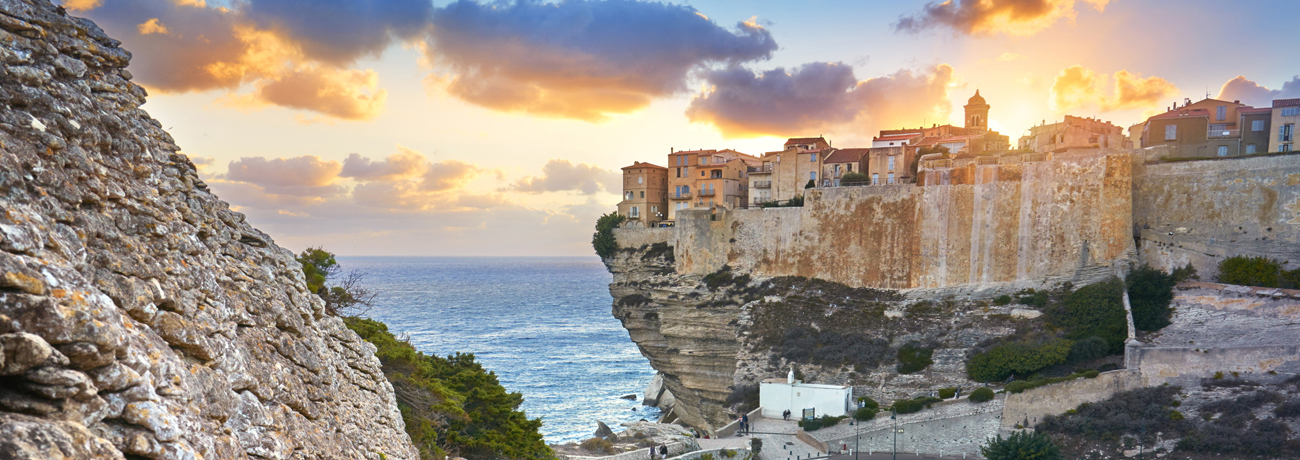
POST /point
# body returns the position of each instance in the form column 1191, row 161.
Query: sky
column 417, row 128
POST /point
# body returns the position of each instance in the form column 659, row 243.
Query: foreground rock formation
column 139, row 316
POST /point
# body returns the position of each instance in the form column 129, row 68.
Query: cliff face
column 139, row 316
column 709, row 335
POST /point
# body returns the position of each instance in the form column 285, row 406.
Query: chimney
column 1237, row 101
column 1187, row 101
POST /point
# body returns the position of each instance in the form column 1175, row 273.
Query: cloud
column 305, row 176
column 82, row 5
column 818, row 97
column 563, row 175
column 152, row 26
column 583, row 59
column 1080, row 87
column 989, row 17
column 1251, row 93
column 404, row 164
column 342, row 94
column 449, row 174
column 340, row 31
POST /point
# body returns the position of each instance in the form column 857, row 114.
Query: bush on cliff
column 1088, row 349
column 1149, row 293
column 854, row 178
column 912, row 358
column 452, row 406
column 603, row 240
column 1143, row 412
column 1021, row 446
column 908, row 406
column 347, row 297
column 981, row 394
column 806, row 345
column 1093, row 310
column 1020, row 358
column 1257, row 271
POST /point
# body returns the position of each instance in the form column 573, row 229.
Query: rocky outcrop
column 710, row 335
column 139, row 316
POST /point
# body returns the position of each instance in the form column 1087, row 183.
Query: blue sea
column 543, row 324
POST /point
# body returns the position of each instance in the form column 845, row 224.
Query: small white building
column 778, row 395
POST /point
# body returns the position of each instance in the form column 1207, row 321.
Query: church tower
column 977, row 113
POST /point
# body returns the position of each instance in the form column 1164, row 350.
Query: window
column 702, row 173
column 640, row 180
column 1223, row 150
column 891, row 163
column 1171, row 132
column 1218, row 127
column 875, row 179
column 1257, row 125
column 891, row 178
column 837, row 170
column 1250, row 148
column 643, row 194
column 1291, row 111
column 1285, row 132
column 1284, row 148
column 1221, row 113
column 850, row 167
column 812, row 176
column 654, row 210
column 812, row 158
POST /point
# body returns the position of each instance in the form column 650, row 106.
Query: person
column 785, row 415
column 744, row 423
column 663, row 451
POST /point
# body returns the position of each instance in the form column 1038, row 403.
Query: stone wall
column 1032, row 404
column 637, row 237
column 1201, row 212
column 139, row 316
column 952, row 428
column 1015, row 223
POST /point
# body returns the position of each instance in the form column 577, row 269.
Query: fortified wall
column 1013, row 220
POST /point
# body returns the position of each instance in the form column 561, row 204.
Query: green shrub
column 1091, row 374
column 1257, row 271
column 912, row 358
column 1002, row 300
column 1149, row 293
column 1187, row 272
column 981, row 394
column 908, row 406
column 819, row 423
column 1033, row 298
column 810, row 184
column 947, row 393
column 1094, row 310
column 864, row 414
column 1006, row 359
column 805, row 345
column 727, row 453
column 723, row 278
column 1022, row 446
column 854, row 178
column 598, row 446
column 744, row 395
column 603, row 240
column 868, row 402
column 452, row 404
column 1088, row 349
column 707, row 456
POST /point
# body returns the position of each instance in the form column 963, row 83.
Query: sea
column 542, row 324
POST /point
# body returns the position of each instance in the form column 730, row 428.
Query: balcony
column 707, row 193
column 681, row 196
column 1223, row 133
column 759, row 169
column 763, row 184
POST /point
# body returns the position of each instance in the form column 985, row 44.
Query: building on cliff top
column 777, row 395
column 707, row 178
column 645, row 195
column 1214, row 128
column 783, row 175
column 1074, row 133
column 1285, row 115
column 974, row 137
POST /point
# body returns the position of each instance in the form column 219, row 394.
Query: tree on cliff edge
column 603, row 240
column 347, row 297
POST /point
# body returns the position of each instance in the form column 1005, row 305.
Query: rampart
column 1021, row 223
column 1200, row 212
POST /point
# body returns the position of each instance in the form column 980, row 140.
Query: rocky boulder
column 140, row 317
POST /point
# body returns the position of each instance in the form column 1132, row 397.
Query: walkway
column 779, row 442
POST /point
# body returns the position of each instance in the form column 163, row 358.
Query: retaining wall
column 637, row 237
column 1032, row 404
column 949, row 429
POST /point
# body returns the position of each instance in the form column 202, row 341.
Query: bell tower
column 977, row 113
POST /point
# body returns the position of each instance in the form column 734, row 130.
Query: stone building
column 1286, row 114
column 840, row 162
column 974, row 138
column 1207, row 128
column 784, row 174
column 1255, row 132
column 1073, row 133
column 890, row 165
column 645, row 194
column 707, row 178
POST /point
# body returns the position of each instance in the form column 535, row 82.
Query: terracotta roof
column 1286, row 102
column 804, row 140
column 846, row 156
column 1184, row 113
column 638, row 164
column 1250, row 110
column 896, row 137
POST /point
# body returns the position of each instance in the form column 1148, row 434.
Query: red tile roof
column 1286, row 102
column 638, row 164
column 896, row 137
column 846, row 156
column 804, row 140
column 1184, row 113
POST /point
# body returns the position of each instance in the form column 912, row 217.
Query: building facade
column 1285, row 117
column 889, row 165
column 707, row 178
column 1074, row 132
column 645, row 195
column 783, row 175
column 840, row 162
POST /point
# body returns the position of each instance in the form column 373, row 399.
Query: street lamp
column 894, row 416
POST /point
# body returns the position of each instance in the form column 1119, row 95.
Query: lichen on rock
column 140, row 317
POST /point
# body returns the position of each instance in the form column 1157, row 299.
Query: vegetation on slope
column 1257, row 271
column 603, row 240
column 451, row 406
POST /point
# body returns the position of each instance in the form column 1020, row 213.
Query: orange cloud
column 1080, row 87
column 405, row 164
column 82, row 5
column 989, row 17
column 562, row 175
column 819, row 97
column 152, row 26
column 342, row 94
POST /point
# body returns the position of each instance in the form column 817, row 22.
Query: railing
column 760, row 169
column 1221, row 133
column 763, row 184
column 680, row 195
column 864, row 183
